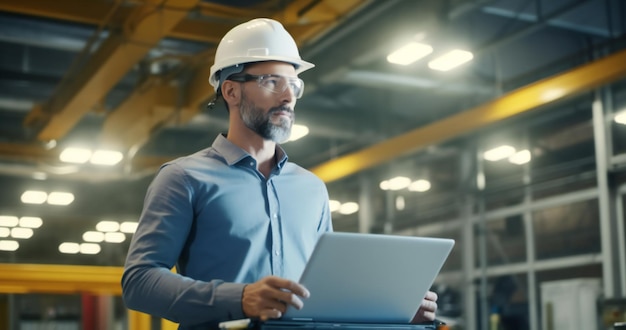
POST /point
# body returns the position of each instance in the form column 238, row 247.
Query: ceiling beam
column 531, row 97
column 60, row 279
column 143, row 29
column 95, row 14
column 295, row 17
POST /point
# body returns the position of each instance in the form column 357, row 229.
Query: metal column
column 607, row 223
column 467, row 187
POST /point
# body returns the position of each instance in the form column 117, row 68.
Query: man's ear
column 231, row 92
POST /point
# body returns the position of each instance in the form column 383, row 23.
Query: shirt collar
column 233, row 154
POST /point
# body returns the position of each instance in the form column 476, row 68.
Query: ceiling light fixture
column 396, row 183
column 69, row 248
column 34, row 197
column 451, row 60
column 115, row 237
column 106, row 157
column 8, row 221
column 90, row 248
column 498, row 153
column 420, row 185
column 297, row 132
column 75, row 155
column 5, row 232
column 409, row 53
column 30, row 222
column 620, row 117
column 128, row 227
column 60, row 198
column 521, row 157
column 400, row 203
column 348, row 208
column 7, row 245
column 23, row 233
column 334, row 205
column 93, row 236
column 106, row 226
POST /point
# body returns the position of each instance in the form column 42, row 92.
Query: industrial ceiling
column 131, row 75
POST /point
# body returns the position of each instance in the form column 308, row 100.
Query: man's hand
column 269, row 297
column 427, row 309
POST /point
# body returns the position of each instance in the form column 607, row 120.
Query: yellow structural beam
column 95, row 13
column 143, row 29
column 198, row 91
column 66, row 279
column 531, row 97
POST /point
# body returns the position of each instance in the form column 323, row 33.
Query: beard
column 276, row 129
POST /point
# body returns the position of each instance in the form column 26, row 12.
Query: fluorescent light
column 93, row 236
column 409, row 53
column 30, row 222
column 400, row 204
column 128, row 227
column 106, row 157
column 397, row 183
column 521, row 157
column 420, row 185
column 89, row 248
column 8, row 221
column 34, row 197
column 7, row 245
column 5, row 232
column 384, row 185
column 24, row 233
column 107, row 226
column 69, row 248
column 348, row 208
column 451, row 60
column 334, row 205
column 75, row 155
column 498, row 153
column 620, row 118
column 60, row 198
column 114, row 237
column 298, row 131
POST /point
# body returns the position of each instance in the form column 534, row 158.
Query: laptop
column 358, row 280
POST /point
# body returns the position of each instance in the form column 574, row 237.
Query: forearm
column 161, row 293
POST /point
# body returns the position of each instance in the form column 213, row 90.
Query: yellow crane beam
column 143, row 29
column 160, row 109
column 64, row 279
column 95, row 12
column 528, row 98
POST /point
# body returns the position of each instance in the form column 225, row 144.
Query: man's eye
column 270, row 82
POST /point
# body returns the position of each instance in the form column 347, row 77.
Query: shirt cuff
column 231, row 294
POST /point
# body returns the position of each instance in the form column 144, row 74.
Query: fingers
column 270, row 296
column 288, row 285
column 428, row 308
column 431, row 296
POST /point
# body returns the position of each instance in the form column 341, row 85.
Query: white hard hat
column 261, row 39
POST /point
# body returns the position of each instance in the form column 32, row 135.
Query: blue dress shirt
column 216, row 218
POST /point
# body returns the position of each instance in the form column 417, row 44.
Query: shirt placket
column 277, row 241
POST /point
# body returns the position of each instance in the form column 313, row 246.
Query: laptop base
column 306, row 325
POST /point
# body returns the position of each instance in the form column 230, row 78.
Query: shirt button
column 251, row 163
column 275, row 215
column 277, row 252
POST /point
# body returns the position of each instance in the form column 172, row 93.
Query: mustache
column 281, row 109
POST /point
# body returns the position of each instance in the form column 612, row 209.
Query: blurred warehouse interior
column 517, row 150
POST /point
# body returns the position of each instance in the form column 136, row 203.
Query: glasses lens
column 279, row 84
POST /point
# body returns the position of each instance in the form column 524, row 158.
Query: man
column 237, row 219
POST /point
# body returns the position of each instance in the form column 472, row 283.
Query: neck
column 263, row 151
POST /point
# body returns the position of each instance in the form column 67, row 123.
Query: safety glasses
column 274, row 83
